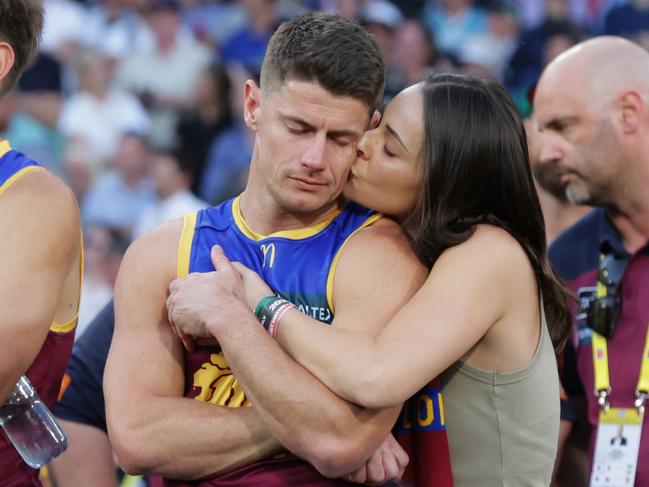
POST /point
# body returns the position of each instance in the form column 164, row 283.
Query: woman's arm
column 469, row 289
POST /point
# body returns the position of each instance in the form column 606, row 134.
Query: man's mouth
column 308, row 182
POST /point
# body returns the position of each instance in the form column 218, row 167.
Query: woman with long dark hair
column 449, row 161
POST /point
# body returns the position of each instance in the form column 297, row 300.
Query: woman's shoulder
column 493, row 242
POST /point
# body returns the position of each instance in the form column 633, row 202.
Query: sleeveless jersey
column 299, row 265
column 421, row 431
column 47, row 371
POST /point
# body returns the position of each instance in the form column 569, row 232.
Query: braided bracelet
column 269, row 312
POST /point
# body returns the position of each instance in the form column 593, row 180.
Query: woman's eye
column 387, row 151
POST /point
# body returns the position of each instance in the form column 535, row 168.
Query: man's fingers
column 390, row 467
column 375, row 470
column 358, row 477
column 219, row 259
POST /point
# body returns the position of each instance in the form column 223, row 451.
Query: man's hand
column 387, row 463
column 202, row 299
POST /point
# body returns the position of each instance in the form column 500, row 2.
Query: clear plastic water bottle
column 30, row 426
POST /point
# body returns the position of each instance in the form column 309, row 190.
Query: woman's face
column 387, row 173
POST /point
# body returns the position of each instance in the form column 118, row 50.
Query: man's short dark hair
column 328, row 49
column 21, row 24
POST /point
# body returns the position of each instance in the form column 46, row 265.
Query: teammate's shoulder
column 46, row 197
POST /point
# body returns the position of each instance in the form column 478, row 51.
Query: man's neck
column 630, row 209
column 264, row 216
column 558, row 214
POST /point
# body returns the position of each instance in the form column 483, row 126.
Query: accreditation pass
column 616, row 448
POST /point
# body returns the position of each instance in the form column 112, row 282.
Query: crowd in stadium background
column 137, row 104
column 132, row 102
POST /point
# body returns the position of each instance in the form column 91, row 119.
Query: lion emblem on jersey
column 218, row 385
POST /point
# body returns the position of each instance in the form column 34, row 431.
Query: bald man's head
column 598, row 69
column 592, row 104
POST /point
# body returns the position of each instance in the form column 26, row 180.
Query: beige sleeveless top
column 503, row 429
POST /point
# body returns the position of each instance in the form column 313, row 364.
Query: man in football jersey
column 183, row 414
column 41, row 252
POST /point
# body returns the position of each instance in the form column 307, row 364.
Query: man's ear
column 251, row 104
column 630, row 108
column 7, row 58
column 375, row 120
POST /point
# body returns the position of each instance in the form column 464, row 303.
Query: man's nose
column 550, row 149
column 314, row 155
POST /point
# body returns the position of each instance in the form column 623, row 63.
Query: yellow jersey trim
column 4, row 147
column 185, row 244
column 70, row 325
column 332, row 270
column 297, row 234
column 17, row 175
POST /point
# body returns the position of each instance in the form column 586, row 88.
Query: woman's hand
column 201, row 304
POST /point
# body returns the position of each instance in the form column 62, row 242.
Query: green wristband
column 260, row 306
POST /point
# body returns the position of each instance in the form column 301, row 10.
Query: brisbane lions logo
column 218, row 385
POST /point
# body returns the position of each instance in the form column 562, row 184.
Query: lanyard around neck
column 600, row 366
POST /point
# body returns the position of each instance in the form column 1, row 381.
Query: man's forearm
column 305, row 416
column 186, row 439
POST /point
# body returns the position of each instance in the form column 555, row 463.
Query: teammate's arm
column 152, row 427
column 40, row 243
column 376, row 274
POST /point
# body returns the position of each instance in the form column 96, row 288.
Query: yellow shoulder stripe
column 4, row 147
column 185, row 244
column 332, row 270
column 296, row 234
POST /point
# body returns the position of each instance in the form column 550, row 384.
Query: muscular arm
column 467, row 292
column 152, row 427
column 375, row 276
column 39, row 247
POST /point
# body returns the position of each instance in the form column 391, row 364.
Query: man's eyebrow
column 396, row 136
column 333, row 133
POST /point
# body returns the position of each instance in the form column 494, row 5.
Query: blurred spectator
column 414, row 55
column 248, row 46
column 104, row 248
column 119, row 196
column 411, row 8
column 489, row 52
column 98, row 114
column 65, row 24
column 630, row 20
column 32, row 128
column 172, row 178
column 114, row 28
column 213, row 22
column 382, row 18
column 229, row 156
column 208, row 117
column 164, row 78
column 77, row 167
column 452, row 22
column 347, row 8
column 554, row 35
column 587, row 14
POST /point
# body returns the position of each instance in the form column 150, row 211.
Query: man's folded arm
column 152, row 427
